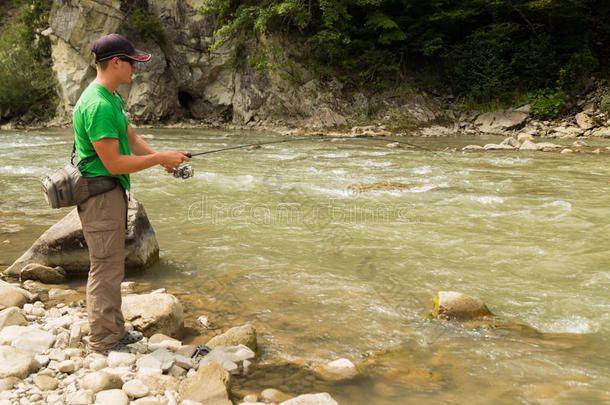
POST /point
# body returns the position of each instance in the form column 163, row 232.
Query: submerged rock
column 64, row 245
column 239, row 335
column 381, row 186
column 312, row 399
column 452, row 305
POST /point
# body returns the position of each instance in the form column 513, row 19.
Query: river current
column 279, row 238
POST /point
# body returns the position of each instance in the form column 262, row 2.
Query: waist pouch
column 67, row 187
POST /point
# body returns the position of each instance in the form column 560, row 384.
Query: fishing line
column 311, row 138
column 187, row 171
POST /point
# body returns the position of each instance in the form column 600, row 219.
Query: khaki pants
column 103, row 219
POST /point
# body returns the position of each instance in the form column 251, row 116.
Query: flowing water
column 277, row 237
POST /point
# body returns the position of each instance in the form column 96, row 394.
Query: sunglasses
column 128, row 60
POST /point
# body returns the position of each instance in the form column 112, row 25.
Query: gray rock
column 584, row 121
column 154, row 313
column 528, row 145
column 67, row 366
column 118, row 359
column 603, row 132
column 16, row 363
column 12, row 316
column 312, row 399
column 473, row 147
column 338, row 370
column 135, row 389
column 214, row 378
column 45, row 382
column 28, row 338
column 499, row 121
column 64, row 245
column 11, row 297
column 566, row 151
column 511, row 142
column 160, row 359
column 8, row 383
column 158, row 384
column 522, row 137
column 80, row 397
column 493, row 146
column 458, row 306
column 112, row 397
column 245, row 335
column 44, row 274
column 273, row 395
column 100, row 381
column 230, row 358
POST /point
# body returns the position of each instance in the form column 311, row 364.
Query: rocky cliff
column 184, row 79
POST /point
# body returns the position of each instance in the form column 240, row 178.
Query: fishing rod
column 186, row 171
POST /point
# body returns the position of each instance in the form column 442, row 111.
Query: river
column 277, row 237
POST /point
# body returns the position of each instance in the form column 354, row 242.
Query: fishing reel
column 184, row 172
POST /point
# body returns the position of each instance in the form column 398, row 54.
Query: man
column 105, row 139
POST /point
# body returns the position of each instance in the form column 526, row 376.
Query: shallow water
column 275, row 236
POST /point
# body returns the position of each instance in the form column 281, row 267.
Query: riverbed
column 277, row 237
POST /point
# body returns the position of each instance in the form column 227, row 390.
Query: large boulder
column 154, row 313
column 215, row 380
column 499, row 121
column 64, row 245
column 16, row 363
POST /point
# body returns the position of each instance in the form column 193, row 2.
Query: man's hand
column 172, row 159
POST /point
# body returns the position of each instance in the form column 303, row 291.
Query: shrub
column 604, row 104
column 26, row 84
column 546, row 104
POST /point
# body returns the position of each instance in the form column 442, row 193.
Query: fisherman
column 111, row 149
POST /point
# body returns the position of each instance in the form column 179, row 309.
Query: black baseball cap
column 112, row 45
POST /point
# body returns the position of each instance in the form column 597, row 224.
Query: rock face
column 154, row 313
column 458, row 306
column 184, row 79
column 64, row 245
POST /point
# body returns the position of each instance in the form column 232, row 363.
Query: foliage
column 478, row 48
column 146, row 25
column 546, row 104
column 604, row 104
column 140, row 22
column 26, row 84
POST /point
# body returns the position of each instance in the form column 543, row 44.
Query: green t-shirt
column 99, row 114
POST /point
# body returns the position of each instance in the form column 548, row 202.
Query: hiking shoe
column 131, row 337
column 119, row 347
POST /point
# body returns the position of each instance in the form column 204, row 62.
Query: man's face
column 125, row 69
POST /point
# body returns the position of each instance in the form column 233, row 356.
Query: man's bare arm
column 137, row 145
column 108, row 151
